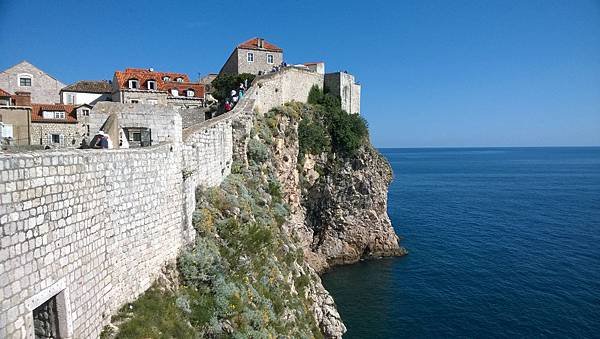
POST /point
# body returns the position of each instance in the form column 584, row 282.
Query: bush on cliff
column 329, row 124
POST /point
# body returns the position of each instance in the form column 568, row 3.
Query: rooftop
column 38, row 109
column 259, row 44
column 90, row 86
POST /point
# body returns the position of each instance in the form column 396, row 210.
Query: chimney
column 260, row 42
column 22, row 99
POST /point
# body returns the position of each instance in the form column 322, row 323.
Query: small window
column 59, row 115
column 270, row 59
column 152, row 101
column 25, row 81
column 166, row 79
column 56, row 138
column 190, row 93
column 174, row 92
column 179, row 79
column 86, row 112
column 250, row 57
column 151, row 84
column 135, row 101
column 133, row 84
column 136, row 136
column 70, row 98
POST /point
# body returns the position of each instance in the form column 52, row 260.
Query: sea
column 503, row 243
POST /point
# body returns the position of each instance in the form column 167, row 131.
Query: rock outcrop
column 339, row 204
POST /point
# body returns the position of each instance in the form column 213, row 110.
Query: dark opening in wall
column 45, row 320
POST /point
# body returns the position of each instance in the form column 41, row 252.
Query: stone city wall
column 90, row 230
column 91, row 227
column 289, row 84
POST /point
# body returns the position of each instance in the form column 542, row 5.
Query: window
column 70, row 98
column 152, row 101
column 174, row 92
column 270, row 58
column 166, row 79
column 25, row 81
column 179, row 79
column 136, row 136
column 53, row 114
column 6, row 131
column 133, row 84
column 135, row 101
column 250, row 57
column 55, row 138
column 86, row 112
column 151, row 84
column 190, row 93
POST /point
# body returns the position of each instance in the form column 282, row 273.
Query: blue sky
column 434, row 73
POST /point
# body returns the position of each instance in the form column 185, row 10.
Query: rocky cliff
column 286, row 212
column 338, row 202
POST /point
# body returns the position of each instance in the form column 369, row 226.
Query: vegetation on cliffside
column 311, row 185
column 245, row 276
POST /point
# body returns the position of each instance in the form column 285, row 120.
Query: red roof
column 4, row 93
column 143, row 75
column 253, row 44
column 38, row 109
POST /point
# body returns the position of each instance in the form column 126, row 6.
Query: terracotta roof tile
column 253, row 44
column 38, row 109
column 143, row 75
column 89, row 86
column 4, row 93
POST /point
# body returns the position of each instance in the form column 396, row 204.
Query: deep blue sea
column 503, row 242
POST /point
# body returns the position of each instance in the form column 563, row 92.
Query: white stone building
column 86, row 92
column 25, row 77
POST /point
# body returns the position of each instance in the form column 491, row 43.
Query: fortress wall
column 93, row 227
column 290, row 84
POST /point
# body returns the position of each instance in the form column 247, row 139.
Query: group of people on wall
column 234, row 97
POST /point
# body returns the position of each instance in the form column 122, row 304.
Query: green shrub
column 315, row 96
column 313, row 137
column 257, row 151
column 154, row 315
column 347, row 131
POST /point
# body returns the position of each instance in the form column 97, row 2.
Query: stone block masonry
column 93, row 227
column 89, row 230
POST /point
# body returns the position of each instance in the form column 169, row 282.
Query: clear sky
column 434, row 73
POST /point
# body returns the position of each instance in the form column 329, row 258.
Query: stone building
column 146, row 86
column 343, row 85
column 56, row 125
column 86, row 92
column 255, row 56
column 15, row 121
column 25, row 77
column 5, row 98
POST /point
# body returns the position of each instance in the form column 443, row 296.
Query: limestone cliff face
column 346, row 209
column 339, row 205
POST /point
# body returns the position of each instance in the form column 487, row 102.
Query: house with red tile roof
column 255, row 56
column 147, row 86
column 57, row 125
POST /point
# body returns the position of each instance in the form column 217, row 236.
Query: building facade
column 146, row 86
column 86, row 92
column 25, row 77
column 255, row 56
column 343, row 85
column 56, row 126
